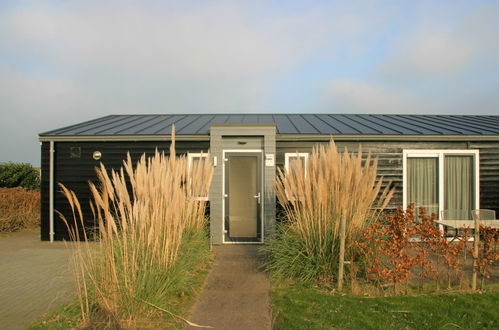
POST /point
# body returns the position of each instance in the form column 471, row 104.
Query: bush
column 19, row 175
column 19, row 209
column 333, row 185
column 406, row 246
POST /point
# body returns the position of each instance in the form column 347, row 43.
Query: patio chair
column 486, row 218
column 484, row 214
column 456, row 214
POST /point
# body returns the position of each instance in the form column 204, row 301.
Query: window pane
column 294, row 162
column 199, row 189
column 422, row 180
column 196, row 165
column 195, row 162
column 459, row 186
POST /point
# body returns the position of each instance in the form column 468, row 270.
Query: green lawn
column 63, row 317
column 299, row 307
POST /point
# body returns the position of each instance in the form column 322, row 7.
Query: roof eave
column 279, row 137
column 111, row 138
column 385, row 137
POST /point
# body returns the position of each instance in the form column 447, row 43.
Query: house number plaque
column 269, row 159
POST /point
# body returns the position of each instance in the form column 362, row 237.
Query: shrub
column 405, row 246
column 384, row 249
column 146, row 217
column 489, row 254
column 19, row 175
column 19, row 209
column 314, row 199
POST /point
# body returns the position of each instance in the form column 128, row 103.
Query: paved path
column 236, row 295
column 34, row 278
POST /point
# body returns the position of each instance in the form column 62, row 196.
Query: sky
column 64, row 62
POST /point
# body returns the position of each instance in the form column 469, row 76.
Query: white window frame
column 190, row 157
column 440, row 155
column 288, row 155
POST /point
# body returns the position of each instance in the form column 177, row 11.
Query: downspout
column 51, row 192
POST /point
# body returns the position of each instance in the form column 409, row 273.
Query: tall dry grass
column 314, row 199
column 144, row 213
column 19, row 209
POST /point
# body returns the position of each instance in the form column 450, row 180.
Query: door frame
column 262, row 203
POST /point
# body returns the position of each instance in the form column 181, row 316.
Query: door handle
column 257, row 196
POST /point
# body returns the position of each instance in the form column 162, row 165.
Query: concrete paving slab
column 237, row 292
column 34, row 278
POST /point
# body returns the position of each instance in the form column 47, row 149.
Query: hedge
column 19, row 175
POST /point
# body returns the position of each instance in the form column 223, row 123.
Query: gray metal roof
column 312, row 124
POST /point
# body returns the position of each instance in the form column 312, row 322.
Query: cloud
column 430, row 55
column 30, row 104
column 360, row 96
column 216, row 42
column 149, row 57
column 444, row 43
column 444, row 61
column 348, row 95
column 221, row 57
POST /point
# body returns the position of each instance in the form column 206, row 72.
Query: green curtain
column 459, row 187
column 422, row 187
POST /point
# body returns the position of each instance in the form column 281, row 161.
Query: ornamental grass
column 146, row 218
column 314, row 199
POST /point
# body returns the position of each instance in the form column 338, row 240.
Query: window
column 194, row 161
column 442, row 181
column 292, row 159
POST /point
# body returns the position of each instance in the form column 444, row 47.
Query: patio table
column 461, row 224
column 458, row 224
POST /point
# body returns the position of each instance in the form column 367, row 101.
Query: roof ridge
column 302, row 113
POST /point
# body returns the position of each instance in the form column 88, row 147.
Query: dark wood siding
column 44, row 191
column 389, row 155
column 75, row 172
column 489, row 174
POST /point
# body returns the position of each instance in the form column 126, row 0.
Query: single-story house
column 438, row 161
